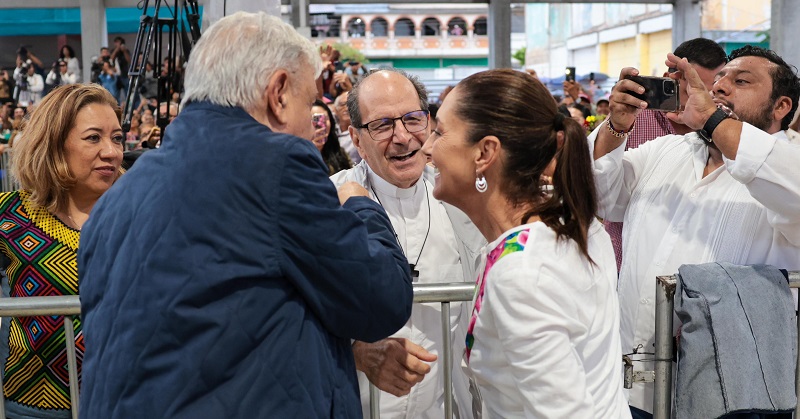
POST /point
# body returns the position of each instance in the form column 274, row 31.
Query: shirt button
column 674, row 229
column 693, row 195
column 643, row 301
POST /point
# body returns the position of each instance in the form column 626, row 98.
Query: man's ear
column 356, row 138
column 782, row 108
column 277, row 96
column 487, row 152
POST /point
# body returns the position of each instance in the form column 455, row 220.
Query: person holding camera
column 97, row 64
column 707, row 57
column 30, row 84
column 108, row 78
column 326, row 140
column 724, row 192
column 60, row 75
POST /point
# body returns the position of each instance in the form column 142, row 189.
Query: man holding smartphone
column 707, row 57
column 723, row 192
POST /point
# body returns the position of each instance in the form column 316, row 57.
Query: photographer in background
column 108, row 79
column 97, row 64
column 59, row 75
column 29, row 84
column 25, row 56
column 121, row 57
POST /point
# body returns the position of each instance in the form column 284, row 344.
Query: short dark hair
column 703, row 52
column 120, row 39
column 784, row 77
column 603, row 100
column 352, row 98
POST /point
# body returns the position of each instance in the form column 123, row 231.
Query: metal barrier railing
column 70, row 305
column 62, row 305
column 665, row 305
column 7, row 183
column 435, row 293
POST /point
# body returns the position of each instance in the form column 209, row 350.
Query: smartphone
column 591, row 76
column 660, row 93
column 319, row 120
column 569, row 74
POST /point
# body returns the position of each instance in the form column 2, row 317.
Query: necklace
column 74, row 224
column 412, row 266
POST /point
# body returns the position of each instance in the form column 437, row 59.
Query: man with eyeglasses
column 390, row 123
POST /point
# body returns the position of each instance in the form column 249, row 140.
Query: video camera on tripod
column 152, row 29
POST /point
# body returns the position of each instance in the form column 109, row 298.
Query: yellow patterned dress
column 43, row 261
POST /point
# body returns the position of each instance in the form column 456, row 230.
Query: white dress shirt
column 745, row 212
column 547, row 333
column 437, row 261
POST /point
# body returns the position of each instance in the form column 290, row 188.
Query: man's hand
column 699, row 104
column 349, row 190
column 572, row 88
column 623, row 106
column 394, row 365
column 344, row 82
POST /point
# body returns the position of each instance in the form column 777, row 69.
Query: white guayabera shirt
column 745, row 212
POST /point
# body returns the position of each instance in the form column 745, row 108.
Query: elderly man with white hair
column 236, row 293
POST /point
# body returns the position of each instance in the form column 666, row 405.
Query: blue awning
column 66, row 21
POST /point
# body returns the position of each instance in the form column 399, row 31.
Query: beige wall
column 646, row 52
column 729, row 15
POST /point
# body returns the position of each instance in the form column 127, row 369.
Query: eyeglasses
column 383, row 129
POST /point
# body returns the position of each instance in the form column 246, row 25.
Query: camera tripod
column 151, row 36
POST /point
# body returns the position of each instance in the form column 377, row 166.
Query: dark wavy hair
column 518, row 109
column 69, row 48
column 332, row 153
column 784, row 77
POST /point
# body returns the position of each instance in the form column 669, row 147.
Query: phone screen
column 318, row 120
column 660, row 93
column 569, row 74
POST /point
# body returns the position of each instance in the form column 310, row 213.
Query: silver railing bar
column 61, row 305
column 435, row 293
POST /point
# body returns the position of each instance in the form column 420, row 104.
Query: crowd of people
column 22, row 89
column 280, row 284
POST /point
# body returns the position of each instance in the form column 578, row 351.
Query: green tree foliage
column 349, row 53
column 519, row 55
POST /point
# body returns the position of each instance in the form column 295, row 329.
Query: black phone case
column 655, row 94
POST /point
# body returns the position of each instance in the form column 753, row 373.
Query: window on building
column 457, row 27
column 481, row 26
column 430, row 27
column 379, row 27
column 404, row 27
column 325, row 25
column 356, row 28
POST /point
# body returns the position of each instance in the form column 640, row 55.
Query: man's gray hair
column 352, row 98
column 232, row 63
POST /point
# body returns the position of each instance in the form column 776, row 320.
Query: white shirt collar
column 386, row 188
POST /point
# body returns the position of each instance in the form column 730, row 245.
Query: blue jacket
column 220, row 277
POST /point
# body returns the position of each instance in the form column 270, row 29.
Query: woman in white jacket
column 543, row 338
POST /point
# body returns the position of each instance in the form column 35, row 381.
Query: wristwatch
column 722, row 113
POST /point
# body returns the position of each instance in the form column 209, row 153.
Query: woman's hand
column 320, row 137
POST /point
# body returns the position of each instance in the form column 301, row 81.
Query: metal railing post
column 443, row 293
column 374, row 402
column 72, row 364
column 662, row 400
column 447, row 362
